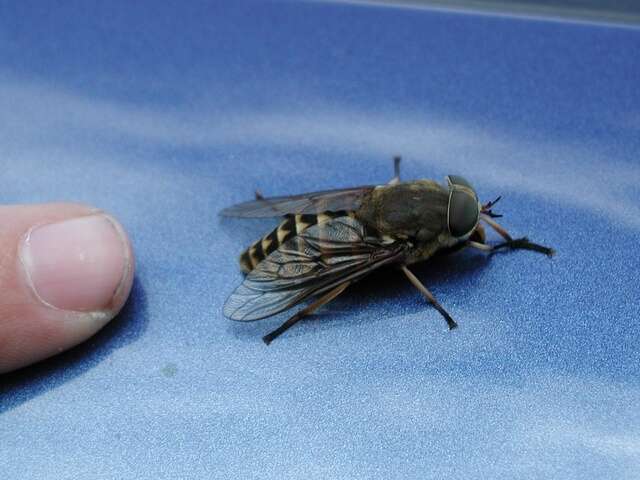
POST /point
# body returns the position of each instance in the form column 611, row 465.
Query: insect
column 333, row 238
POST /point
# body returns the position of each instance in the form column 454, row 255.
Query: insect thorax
column 414, row 210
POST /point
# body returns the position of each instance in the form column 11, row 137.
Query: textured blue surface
column 163, row 113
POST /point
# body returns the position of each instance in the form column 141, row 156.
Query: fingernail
column 77, row 264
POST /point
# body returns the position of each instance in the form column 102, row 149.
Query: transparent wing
column 317, row 260
column 314, row 202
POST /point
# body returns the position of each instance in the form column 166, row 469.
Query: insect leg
column 524, row 244
column 429, row 296
column 480, row 246
column 396, row 170
column 516, row 244
column 326, row 298
column 497, row 227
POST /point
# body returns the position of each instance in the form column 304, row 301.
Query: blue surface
column 163, row 113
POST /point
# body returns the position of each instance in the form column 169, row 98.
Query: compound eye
column 458, row 180
column 463, row 213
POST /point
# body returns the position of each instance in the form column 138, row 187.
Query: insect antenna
column 486, row 208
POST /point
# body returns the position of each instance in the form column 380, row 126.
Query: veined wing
column 314, row 202
column 311, row 263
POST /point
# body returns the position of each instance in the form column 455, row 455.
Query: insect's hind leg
column 326, row 298
column 429, row 296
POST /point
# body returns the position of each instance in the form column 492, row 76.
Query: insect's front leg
column 524, row 244
column 396, row 171
column 497, row 227
column 519, row 243
column 514, row 244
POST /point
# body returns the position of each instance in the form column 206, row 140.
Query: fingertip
column 72, row 276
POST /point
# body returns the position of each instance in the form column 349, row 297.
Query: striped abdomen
column 291, row 226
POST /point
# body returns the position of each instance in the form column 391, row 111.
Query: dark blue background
column 163, row 113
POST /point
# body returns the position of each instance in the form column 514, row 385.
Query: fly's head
column 463, row 209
